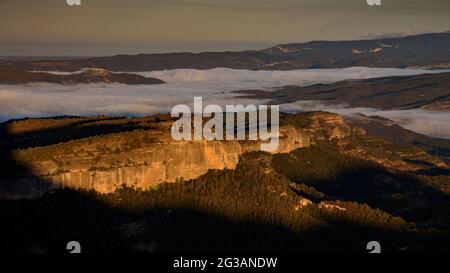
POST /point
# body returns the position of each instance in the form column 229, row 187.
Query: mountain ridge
column 139, row 152
column 17, row 76
column 333, row 196
column 426, row 91
column 424, row 50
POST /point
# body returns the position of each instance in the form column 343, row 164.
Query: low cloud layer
column 215, row 85
column 234, row 79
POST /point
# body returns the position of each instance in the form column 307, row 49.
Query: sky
column 108, row 27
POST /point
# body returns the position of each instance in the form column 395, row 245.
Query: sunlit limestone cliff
column 142, row 156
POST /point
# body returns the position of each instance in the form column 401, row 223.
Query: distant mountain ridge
column 429, row 91
column 17, row 76
column 426, row 50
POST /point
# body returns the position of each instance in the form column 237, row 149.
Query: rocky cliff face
column 144, row 158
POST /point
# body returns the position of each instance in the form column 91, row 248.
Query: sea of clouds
column 214, row 85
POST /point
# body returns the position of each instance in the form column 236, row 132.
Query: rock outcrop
column 144, row 158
